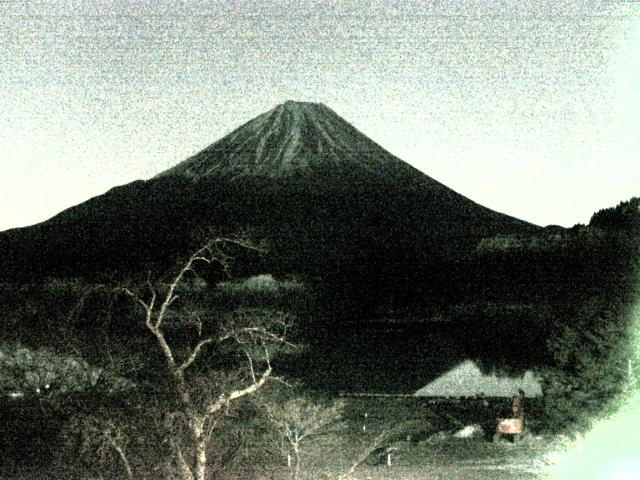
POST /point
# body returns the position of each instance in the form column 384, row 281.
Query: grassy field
column 428, row 439
column 454, row 459
column 460, row 459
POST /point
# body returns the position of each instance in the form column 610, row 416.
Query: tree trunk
column 296, row 469
column 185, row 470
column 201, row 459
column 201, row 448
column 124, row 459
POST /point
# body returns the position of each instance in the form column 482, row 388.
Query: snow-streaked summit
column 287, row 138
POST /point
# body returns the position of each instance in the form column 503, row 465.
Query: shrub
column 591, row 366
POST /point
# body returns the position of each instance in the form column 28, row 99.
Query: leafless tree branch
column 194, row 354
column 363, row 456
column 225, row 399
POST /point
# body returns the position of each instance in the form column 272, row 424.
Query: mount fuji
column 327, row 199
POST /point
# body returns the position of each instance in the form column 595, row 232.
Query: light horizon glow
column 527, row 108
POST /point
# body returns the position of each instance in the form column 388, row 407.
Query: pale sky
column 530, row 108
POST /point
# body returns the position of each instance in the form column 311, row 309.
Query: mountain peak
column 290, row 137
column 308, row 107
column 294, row 104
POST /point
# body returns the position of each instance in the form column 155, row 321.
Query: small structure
column 510, row 426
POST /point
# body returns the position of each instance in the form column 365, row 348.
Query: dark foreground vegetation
column 171, row 376
column 421, row 438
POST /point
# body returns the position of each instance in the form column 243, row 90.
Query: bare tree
column 298, row 420
column 100, row 437
column 202, row 398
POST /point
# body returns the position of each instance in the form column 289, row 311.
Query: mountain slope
column 290, row 137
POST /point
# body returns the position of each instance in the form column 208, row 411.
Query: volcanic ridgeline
column 330, row 202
